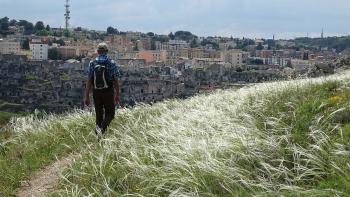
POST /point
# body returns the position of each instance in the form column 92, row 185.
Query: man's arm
column 116, row 76
column 87, row 92
column 116, row 91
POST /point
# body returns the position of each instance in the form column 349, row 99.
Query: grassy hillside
column 282, row 138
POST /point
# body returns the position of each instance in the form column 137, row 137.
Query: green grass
column 5, row 117
column 324, row 107
column 273, row 139
column 34, row 143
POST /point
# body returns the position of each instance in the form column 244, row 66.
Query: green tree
column 4, row 25
column 13, row 22
column 184, row 35
column 25, row 44
column 206, row 42
column 67, row 33
column 53, row 54
column 171, row 36
column 150, row 34
column 59, row 41
column 111, row 30
column 48, row 28
column 194, row 43
column 43, row 32
column 28, row 28
column 39, row 26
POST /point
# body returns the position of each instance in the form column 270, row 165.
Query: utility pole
column 67, row 14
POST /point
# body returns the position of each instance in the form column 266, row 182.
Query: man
column 103, row 78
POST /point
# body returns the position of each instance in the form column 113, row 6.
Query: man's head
column 102, row 48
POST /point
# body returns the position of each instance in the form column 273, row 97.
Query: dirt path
column 46, row 180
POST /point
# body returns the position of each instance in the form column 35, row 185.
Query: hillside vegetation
column 282, row 138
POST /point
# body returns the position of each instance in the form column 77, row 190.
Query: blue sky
column 249, row 18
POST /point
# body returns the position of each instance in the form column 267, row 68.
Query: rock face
column 57, row 86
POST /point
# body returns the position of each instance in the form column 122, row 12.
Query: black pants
column 104, row 107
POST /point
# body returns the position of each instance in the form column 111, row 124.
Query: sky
column 237, row 18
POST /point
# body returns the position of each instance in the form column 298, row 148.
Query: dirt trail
column 45, row 180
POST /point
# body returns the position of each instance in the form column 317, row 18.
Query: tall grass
column 227, row 143
column 30, row 143
column 282, row 138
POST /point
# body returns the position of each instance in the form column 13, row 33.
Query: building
column 195, row 53
column 10, row 47
column 177, row 44
column 39, row 48
column 153, row 56
column 235, row 57
column 131, row 62
column 67, row 52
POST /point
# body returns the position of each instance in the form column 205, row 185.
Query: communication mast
column 67, row 14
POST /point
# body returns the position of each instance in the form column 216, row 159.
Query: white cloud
column 203, row 17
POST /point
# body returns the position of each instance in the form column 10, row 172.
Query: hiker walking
column 103, row 78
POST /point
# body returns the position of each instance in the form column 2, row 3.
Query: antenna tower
column 67, row 14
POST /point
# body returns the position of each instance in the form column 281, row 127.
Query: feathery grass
column 281, row 138
column 277, row 138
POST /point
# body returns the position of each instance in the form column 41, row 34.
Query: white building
column 39, row 49
column 9, row 47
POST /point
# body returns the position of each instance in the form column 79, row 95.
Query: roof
column 39, row 41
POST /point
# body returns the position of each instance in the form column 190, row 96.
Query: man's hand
column 87, row 93
column 86, row 101
column 116, row 99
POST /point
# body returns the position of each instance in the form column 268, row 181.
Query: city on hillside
column 41, row 65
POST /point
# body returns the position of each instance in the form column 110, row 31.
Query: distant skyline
column 243, row 18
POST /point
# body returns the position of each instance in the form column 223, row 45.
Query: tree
column 160, row 38
column 28, row 28
column 67, row 33
column 194, row 43
column 184, row 35
column 48, row 28
column 111, row 30
column 150, row 34
column 25, row 44
column 13, row 22
column 171, row 36
column 4, row 26
column 60, row 42
column 206, row 42
column 53, row 54
column 39, row 26
column 43, row 32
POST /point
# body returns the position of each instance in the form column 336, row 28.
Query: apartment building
column 39, row 48
column 9, row 47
